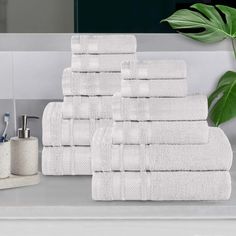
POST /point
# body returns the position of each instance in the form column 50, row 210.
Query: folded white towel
column 103, row 83
column 215, row 155
column 154, row 88
column 186, row 108
column 154, row 69
column 100, row 62
column 58, row 131
column 165, row 132
column 66, row 160
column 159, row 186
column 113, row 43
column 83, row 107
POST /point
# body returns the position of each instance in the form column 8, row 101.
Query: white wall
column 40, row 16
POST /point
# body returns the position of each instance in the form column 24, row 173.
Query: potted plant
column 216, row 23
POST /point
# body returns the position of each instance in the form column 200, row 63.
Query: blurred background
column 90, row 16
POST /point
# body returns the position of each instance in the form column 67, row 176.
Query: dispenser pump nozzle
column 24, row 132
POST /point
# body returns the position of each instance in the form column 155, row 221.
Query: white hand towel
column 58, row 131
column 187, row 108
column 164, row 132
column 83, row 107
column 154, row 69
column 215, row 155
column 103, row 83
column 100, row 62
column 154, row 88
column 161, row 186
column 114, row 43
column 66, row 160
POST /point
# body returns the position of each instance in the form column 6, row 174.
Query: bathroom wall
column 31, row 67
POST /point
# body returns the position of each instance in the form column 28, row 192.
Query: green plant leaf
column 224, row 97
column 230, row 15
column 214, row 95
column 205, row 17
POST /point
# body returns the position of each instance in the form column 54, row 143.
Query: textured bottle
column 24, row 151
column 5, row 159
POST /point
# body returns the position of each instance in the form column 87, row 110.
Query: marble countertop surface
column 69, row 197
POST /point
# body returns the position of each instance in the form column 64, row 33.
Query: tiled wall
column 30, row 79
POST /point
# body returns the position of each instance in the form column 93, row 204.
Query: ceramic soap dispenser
column 24, row 150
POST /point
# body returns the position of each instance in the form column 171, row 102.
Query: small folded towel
column 58, row 131
column 154, row 88
column 186, row 108
column 160, row 132
column 215, row 155
column 103, row 83
column 66, row 160
column 155, row 69
column 82, row 107
column 114, row 43
column 161, row 186
column 100, row 62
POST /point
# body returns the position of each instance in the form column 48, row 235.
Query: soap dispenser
column 24, row 150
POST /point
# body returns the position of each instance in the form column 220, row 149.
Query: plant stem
column 232, row 41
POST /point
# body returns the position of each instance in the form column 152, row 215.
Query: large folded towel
column 84, row 107
column 165, row 132
column 155, row 69
column 66, row 160
column 215, row 155
column 186, row 108
column 159, row 186
column 58, row 131
column 154, row 88
column 100, row 62
column 103, row 83
column 116, row 43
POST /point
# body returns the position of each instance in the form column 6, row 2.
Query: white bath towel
column 187, row 108
column 100, row 62
column 84, row 107
column 154, row 69
column 103, row 83
column 66, row 160
column 159, row 186
column 154, row 88
column 58, row 131
column 215, row 155
column 164, row 132
column 113, row 43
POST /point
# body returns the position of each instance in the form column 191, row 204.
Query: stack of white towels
column 160, row 146
column 88, row 86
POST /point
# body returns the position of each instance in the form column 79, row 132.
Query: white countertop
column 69, row 197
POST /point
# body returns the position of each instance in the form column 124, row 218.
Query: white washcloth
column 58, row 131
column 215, row 155
column 159, row 186
column 154, row 69
column 103, row 83
column 83, row 107
column 187, row 108
column 66, row 160
column 100, row 62
column 113, row 43
column 164, row 132
column 154, row 88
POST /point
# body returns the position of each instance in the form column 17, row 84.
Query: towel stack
column 160, row 146
column 88, row 86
